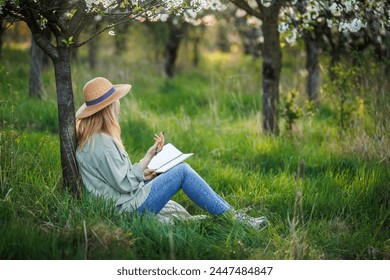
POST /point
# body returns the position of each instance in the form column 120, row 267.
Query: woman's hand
column 149, row 174
column 159, row 141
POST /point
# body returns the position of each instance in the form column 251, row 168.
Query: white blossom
column 111, row 33
column 254, row 21
column 93, row 5
column 173, row 5
column 240, row 13
column 198, row 5
column 266, row 3
column 214, row 5
column 313, row 10
column 335, row 9
column 164, row 17
column 293, row 37
column 329, row 23
column 283, row 27
column 191, row 13
column 349, row 5
column 343, row 27
column 356, row 24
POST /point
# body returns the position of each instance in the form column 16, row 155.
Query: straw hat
column 98, row 94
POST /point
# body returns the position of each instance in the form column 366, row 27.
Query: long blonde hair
column 106, row 121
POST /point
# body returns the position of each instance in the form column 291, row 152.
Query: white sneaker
column 256, row 223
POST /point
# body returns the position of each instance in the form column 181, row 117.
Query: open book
column 167, row 158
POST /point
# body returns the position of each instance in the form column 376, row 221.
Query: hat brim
column 85, row 111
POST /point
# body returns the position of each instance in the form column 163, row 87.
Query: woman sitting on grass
column 107, row 171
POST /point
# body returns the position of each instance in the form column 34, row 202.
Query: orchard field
column 323, row 182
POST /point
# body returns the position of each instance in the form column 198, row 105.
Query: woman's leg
column 183, row 177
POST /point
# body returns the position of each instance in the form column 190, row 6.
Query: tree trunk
column 2, row 29
column 222, row 38
column 46, row 58
column 334, row 44
column 176, row 33
column 196, row 57
column 66, row 120
column 36, row 66
column 121, row 38
column 60, row 56
column 272, row 65
column 387, row 54
column 93, row 48
column 249, row 36
column 312, row 68
column 92, row 53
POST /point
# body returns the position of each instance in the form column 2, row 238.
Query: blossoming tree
column 296, row 18
column 66, row 21
column 338, row 25
column 268, row 12
column 178, row 26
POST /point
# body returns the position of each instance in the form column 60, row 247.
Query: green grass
column 326, row 194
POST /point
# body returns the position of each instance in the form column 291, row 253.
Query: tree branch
column 79, row 20
column 40, row 38
column 122, row 18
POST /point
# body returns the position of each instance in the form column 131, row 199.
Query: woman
column 107, row 171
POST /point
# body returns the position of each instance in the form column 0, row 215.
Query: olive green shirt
column 107, row 171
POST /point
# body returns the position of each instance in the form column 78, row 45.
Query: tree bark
column 66, row 120
column 92, row 53
column 222, row 38
column 46, row 58
column 36, row 66
column 387, row 54
column 334, row 44
column 313, row 70
column 250, row 37
column 2, row 29
column 176, row 33
column 121, row 38
column 196, row 57
column 93, row 47
column 272, row 65
column 60, row 56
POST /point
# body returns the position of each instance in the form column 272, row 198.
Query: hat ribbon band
column 101, row 98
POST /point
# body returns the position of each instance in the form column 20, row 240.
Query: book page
column 167, row 158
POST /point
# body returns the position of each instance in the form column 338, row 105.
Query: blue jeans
column 182, row 176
